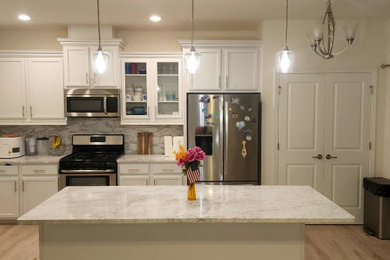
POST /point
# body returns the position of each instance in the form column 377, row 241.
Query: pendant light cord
column 192, row 26
column 285, row 25
column 98, row 15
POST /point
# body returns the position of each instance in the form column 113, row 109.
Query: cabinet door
column 241, row 69
column 167, row 180
column 109, row 78
column 134, row 180
column 208, row 76
column 9, row 197
column 136, row 89
column 168, row 88
column 76, row 66
column 45, row 88
column 12, row 89
column 36, row 190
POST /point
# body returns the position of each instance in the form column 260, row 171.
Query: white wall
column 368, row 51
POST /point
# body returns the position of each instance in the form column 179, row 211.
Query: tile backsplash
column 98, row 126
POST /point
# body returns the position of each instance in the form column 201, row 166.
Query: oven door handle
column 87, row 171
column 105, row 105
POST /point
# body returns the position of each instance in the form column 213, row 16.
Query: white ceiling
column 209, row 14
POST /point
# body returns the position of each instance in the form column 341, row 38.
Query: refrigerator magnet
column 253, row 120
column 250, row 109
column 244, row 151
column 205, row 110
column 247, row 118
column 240, row 125
column 216, row 97
column 242, row 107
column 208, row 116
column 248, row 137
column 206, row 99
column 230, row 109
column 235, row 100
column 234, row 115
column 216, row 115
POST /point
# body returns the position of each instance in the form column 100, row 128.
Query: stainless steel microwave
column 92, row 103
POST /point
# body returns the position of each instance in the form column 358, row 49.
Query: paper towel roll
column 168, row 151
column 177, row 141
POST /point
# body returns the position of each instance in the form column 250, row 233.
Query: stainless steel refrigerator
column 227, row 127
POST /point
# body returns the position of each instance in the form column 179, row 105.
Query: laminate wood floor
column 333, row 242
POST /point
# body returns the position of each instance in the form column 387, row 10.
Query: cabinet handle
column 23, row 111
column 22, row 185
column 166, row 170
column 227, row 82
column 148, row 111
column 94, row 78
column 39, row 170
column 86, row 77
column 16, row 183
column 30, row 111
column 155, row 111
column 133, row 170
column 219, row 81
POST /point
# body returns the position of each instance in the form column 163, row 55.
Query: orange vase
column 191, row 191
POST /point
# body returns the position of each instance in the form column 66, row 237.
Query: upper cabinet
column 225, row 66
column 152, row 90
column 32, row 89
column 78, row 64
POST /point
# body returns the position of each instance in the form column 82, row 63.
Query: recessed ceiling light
column 155, row 18
column 24, row 17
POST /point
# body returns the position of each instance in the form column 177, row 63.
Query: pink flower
column 200, row 155
column 191, row 155
column 180, row 163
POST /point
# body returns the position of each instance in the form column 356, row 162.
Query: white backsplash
column 98, row 126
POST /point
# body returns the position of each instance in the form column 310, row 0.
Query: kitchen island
column 157, row 222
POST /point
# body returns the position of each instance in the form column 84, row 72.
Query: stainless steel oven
column 86, row 178
column 92, row 103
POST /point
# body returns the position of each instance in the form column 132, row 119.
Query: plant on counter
column 190, row 161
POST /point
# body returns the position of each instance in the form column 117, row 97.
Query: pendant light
column 100, row 57
column 192, row 58
column 286, row 57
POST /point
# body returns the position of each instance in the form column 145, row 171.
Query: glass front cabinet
column 152, row 91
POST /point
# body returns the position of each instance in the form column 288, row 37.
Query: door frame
column 374, row 76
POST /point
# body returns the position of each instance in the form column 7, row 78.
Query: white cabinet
column 78, row 64
column 137, row 174
column 36, row 189
column 31, row 91
column 24, row 187
column 134, row 180
column 12, row 90
column 167, row 180
column 9, row 197
column 225, row 66
column 152, row 91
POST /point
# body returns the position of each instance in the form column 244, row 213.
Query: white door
column 77, row 66
column 241, row 69
column 36, row 190
column 301, row 130
column 9, row 197
column 134, row 180
column 347, row 139
column 167, row 180
column 12, row 89
column 209, row 75
column 340, row 117
column 46, row 88
column 108, row 78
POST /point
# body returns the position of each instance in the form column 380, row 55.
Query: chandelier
column 323, row 38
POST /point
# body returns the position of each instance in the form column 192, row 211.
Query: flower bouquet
column 190, row 161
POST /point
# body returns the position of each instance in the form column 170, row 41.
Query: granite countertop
column 36, row 159
column 169, row 204
column 146, row 158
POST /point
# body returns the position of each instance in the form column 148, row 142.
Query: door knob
column 318, row 156
column 328, row 157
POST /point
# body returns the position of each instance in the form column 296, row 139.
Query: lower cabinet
column 134, row 180
column 133, row 174
column 9, row 197
column 36, row 190
column 167, row 180
column 24, row 187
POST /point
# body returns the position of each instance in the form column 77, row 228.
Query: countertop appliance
column 227, row 127
column 92, row 161
column 11, row 146
column 92, row 103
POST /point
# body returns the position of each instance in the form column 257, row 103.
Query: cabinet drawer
column 40, row 169
column 133, row 168
column 162, row 168
column 8, row 170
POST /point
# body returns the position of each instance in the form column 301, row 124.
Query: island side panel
column 170, row 241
